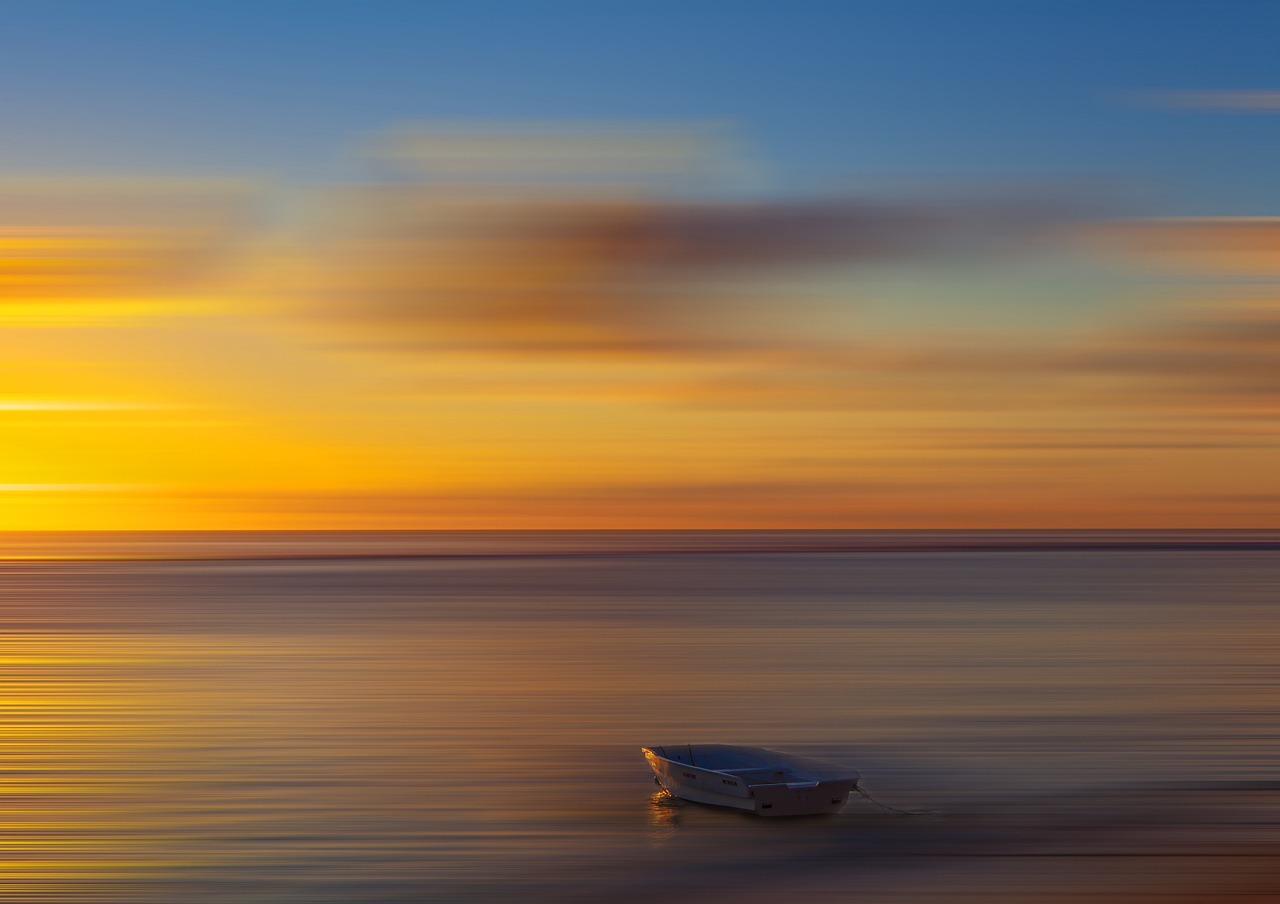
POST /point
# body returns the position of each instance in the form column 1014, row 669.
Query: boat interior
column 753, row 765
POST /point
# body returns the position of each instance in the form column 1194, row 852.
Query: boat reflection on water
column 665, row 817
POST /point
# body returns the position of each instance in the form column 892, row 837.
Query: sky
column 584, row 265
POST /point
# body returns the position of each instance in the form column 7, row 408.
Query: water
column 278, row 725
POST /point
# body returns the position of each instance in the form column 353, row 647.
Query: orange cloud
column 69, row 240
column 1218, row 246
column 493, row 243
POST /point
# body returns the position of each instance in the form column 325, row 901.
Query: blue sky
column 821, row 92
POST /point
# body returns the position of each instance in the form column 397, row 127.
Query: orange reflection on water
column 87, row 731
column 363, row 729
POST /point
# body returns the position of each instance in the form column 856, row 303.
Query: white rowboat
column 763, row 781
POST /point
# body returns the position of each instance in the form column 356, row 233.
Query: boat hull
column 774, row 788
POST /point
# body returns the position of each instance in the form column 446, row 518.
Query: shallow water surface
column 467, row 728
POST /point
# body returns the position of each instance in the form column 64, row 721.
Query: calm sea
column 457, row 717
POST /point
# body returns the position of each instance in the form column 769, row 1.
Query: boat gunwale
column 791, row 761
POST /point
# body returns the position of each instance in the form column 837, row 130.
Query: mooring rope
column 888, row 808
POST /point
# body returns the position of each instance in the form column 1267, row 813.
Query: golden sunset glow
column 518, row 351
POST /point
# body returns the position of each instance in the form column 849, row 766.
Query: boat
column 763, row 781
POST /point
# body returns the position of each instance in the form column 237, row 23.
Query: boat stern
column 801, row 799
